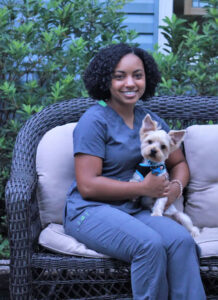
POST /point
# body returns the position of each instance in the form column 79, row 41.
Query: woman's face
column 128, row 80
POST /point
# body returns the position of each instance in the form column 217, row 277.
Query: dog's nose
column 153, row 152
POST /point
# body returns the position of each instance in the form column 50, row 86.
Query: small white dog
column 156, row 145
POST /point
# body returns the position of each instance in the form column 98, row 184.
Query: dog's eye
column 149, row 141
column 163, row 147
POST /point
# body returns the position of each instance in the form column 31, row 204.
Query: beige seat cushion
column 54, row 239
column 55, row 169
column 208, row 242
column 201, row 150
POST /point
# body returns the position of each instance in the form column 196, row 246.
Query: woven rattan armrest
column 22, row 210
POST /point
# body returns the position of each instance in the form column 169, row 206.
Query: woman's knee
column 185, row 237
column 151, row 247
column 182, row 241
column 188, row 241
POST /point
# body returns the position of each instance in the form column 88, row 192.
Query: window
column 194, row 7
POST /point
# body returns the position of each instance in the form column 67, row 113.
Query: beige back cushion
column 201, row 149
column 55, row 169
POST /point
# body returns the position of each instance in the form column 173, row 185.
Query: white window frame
column 189, row 10
column 165, row 10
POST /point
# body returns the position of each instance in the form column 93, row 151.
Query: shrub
column 189, row 65
column 44, row 47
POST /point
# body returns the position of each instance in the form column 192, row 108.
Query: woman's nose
column 130, row 81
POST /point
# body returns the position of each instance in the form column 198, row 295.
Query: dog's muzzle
column 153, row 152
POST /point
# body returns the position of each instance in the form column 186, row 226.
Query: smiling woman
column 107, row 150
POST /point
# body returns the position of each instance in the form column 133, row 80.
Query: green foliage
column 4, row 247
column 4, row 244
column 45, row 46
column 189, row 64
column 173, row 32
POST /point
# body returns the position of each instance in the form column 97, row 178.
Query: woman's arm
column 92, row 185
column 178, row 169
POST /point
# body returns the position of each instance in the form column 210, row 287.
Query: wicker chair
column 37, row 274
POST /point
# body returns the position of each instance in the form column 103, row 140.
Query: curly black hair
column 98, row 75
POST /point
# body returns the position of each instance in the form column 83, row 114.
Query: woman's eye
column 138, row 76
column 118, row 77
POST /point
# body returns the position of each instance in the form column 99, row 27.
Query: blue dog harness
column 142, row 169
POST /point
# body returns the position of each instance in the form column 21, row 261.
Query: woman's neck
column 125, row 111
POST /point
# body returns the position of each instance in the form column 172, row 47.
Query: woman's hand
column 155, row 186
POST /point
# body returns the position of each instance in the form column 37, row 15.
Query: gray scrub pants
column 164, row 262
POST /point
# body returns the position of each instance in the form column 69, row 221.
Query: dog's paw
column 195, row 231
column 157, row 214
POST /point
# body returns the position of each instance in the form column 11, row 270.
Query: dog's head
column 156, row 144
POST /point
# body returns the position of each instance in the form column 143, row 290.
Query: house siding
column 142, row 16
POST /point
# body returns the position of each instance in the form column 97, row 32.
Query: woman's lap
column 109, row 230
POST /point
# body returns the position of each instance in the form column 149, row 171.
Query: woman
column 99, row 211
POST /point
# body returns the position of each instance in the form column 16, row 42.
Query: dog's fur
column 156, row 145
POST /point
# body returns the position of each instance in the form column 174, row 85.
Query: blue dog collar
column 145, row 167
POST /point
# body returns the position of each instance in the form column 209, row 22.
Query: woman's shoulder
column 95, row 112
column 94, row 119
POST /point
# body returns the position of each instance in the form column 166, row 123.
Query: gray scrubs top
column 102, row 132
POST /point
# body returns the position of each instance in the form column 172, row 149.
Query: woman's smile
column 129, row 94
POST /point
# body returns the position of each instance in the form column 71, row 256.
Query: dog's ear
column 177, row 137
column 148, row 124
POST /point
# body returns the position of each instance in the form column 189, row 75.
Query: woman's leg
column 119, row 235
column 183, row 267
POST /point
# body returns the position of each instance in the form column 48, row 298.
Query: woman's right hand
column 155, row 186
